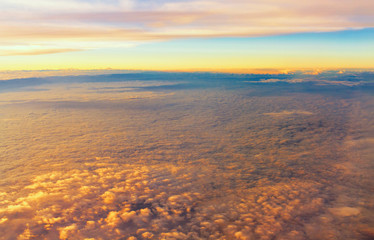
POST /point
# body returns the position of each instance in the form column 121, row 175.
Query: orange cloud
column 36, row 52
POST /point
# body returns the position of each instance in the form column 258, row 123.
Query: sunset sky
column 186, row 34
column 186, row 119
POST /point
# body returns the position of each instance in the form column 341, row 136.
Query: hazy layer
column 154, row 159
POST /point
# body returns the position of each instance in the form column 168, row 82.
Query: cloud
column 124, row 201
column 62, row 5
column 78, row 32
column 116, row 201
column 36, row 52
column 200, row 164
column 146, row 18
column 317, row 81
column 286, row 113
column 80, row 21
column 345, row 211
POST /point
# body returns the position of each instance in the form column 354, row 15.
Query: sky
column 186, row 34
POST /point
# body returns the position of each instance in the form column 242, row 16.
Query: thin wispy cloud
column 59, row 22
column 36, row 52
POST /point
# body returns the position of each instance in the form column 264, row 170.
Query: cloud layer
column 80, row 162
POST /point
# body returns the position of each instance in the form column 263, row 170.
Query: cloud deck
column 193, row 163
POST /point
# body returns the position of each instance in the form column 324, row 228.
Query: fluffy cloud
column 113, row 201
column 119, row 201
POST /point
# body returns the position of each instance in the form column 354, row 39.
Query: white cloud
column 43, row 6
